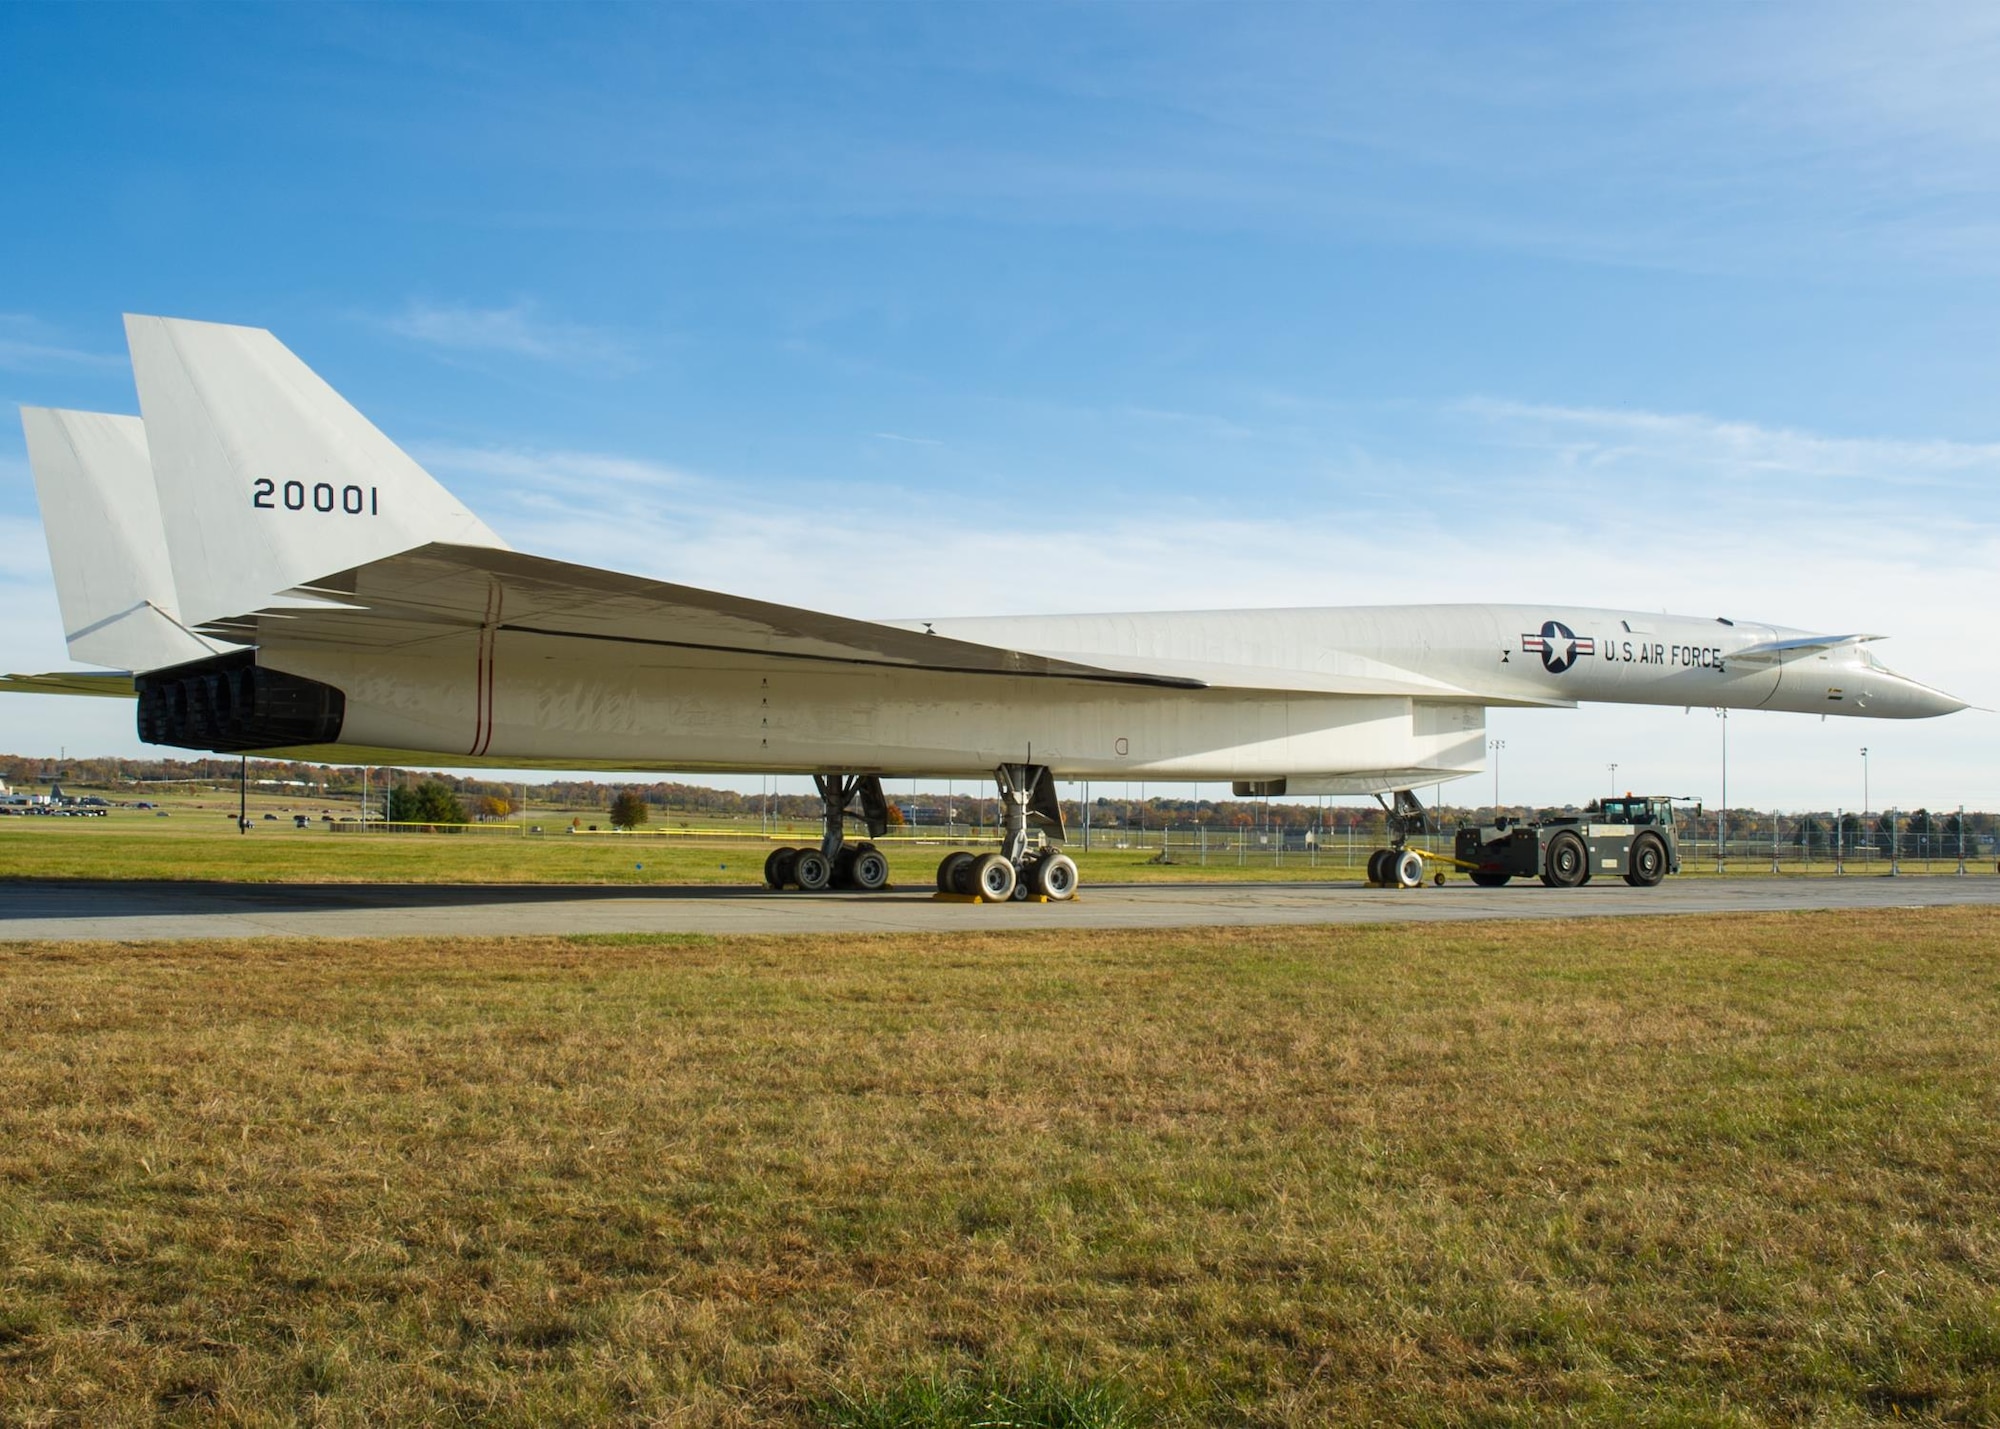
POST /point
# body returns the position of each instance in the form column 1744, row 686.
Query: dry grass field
column 1668, row 1172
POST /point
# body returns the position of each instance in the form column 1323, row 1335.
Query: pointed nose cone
column 1910, row 700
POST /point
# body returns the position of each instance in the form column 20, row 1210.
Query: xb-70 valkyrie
column 267, row 572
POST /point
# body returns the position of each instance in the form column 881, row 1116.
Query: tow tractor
column 1632, row 835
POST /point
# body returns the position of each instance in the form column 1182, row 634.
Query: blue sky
column 1686, row 307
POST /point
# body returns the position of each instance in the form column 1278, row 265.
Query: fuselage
column 1328, row 700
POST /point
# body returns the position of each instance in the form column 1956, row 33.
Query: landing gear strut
column 837, row 863
column 1400, row 866
column 1027, row 798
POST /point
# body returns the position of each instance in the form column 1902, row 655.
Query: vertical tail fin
column 101, row 516
column 267, row 478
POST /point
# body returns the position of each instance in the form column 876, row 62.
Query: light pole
column 1722, row 814
column 1864, row 806
column 1614, row 776
column 1496, row 745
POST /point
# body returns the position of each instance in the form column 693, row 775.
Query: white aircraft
column 270, row 573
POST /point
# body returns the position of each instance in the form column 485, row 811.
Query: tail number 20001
column 266, row 495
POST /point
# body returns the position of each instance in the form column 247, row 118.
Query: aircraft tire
column 1375, row 867
column 812, row 871
column 1054, row 877
column 1568, row 862
column 992, row 878
column 843, row 867
column 1649, row 862
column 776, row 875
column 949, row 868
column 1404, row 869
column 870, row 870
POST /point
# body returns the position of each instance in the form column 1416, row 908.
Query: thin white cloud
column 907, row 441
column 1600, row 435
column 534, row 469
column 519, row 330
column 27, row 344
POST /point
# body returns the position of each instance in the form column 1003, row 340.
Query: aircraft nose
column 1915, row 701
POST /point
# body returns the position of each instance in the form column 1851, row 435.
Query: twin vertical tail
column 267, row 478
column 247, row 478
column 107, row 545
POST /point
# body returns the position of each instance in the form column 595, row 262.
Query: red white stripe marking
column 482, row 720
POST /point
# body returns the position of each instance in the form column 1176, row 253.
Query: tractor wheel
column 1649, row 862
column 1568, row 862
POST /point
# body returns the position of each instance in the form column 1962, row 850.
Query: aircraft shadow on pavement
column 48, row 898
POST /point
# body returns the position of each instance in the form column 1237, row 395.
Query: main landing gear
column 1027, row 796
column 837, row 863
column 1400, row 866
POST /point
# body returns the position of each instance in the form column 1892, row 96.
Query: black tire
column 1649, row 862
column 843, row 867
column 993, row 878
column 869, row 871
column 774, row 872
column 954, row 872
column 812, row 871
column 1491, row 880
column 1403, row 868
column 1376, row 877
column 1055, row 877
column 1568, row 862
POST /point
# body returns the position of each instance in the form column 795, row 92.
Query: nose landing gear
column 1400, row 866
